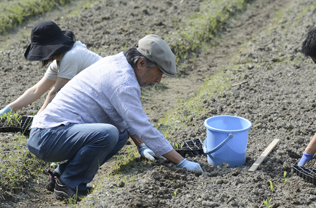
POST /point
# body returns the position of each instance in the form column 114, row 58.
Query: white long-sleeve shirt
column 105, row 92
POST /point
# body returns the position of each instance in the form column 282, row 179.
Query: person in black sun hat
column 67, row 57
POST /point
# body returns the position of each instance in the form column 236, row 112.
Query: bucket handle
column 218, row 146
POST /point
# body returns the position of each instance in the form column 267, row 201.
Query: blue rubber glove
column 7, row 109
column 145, row 152
column 190, row 165
column 306, row 157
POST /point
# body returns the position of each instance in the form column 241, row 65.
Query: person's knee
column 35, row 149
column 113, row 134
column 109, row 136
column 32, row 144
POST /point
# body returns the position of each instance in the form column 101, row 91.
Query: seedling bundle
column 192, row 147
column 21, row 124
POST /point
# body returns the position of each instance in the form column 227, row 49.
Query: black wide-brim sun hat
column 47, row 41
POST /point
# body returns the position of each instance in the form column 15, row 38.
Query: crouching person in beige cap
column 92, row 116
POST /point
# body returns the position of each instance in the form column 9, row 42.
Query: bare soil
column 272, row 85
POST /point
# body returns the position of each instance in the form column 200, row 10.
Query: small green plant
column 175, row 193
column 284, row 179
column 271, row 186
column 177, row 145
column 16, row 118
column 267, row 202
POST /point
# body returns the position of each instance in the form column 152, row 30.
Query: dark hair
column 133, row 55
column 67, row 33
column 70, row 34
column 309, row 44
column 45, row 62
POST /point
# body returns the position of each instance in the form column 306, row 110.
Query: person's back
column 72, row 62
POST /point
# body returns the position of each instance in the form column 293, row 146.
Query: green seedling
column 271, row 186
column 267, row 202
column 175, row 193
column 10, row 118
column 284, row 179
column 177, row 145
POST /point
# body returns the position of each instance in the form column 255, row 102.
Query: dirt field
column 270, row 83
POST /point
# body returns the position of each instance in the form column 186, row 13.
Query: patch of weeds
column 13, row 13
column 302, row 14
column 89, row 4
column 218, row 82
column 149, row 91
column 125, row 162
column 204, row 26
column 18, row 166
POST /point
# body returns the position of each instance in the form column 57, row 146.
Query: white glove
column 145, row 152
column 190, row 165
column 7, row 109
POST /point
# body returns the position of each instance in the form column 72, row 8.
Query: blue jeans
column 85, row 147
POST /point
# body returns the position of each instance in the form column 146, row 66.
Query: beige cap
column 158, row 51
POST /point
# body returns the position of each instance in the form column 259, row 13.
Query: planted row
column 13, row 13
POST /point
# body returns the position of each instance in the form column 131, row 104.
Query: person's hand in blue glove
column 306, row 157
column 4, row 110
column 145, row 152
column 190, row 165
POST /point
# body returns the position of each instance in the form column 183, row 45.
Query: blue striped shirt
column 105, row 92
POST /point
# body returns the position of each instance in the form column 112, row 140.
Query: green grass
column 13, row 13
column 175, row 120
column 204, row 26
column 18, row 167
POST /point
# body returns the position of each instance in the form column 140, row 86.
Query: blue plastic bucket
column 226, row 140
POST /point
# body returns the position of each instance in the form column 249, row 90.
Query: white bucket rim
column 228, row 131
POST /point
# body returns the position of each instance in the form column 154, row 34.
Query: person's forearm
column 173, row 156
column 25, row 99
column 136, row 140
column 311, row 147
column 48, row 99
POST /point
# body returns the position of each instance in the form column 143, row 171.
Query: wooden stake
column 263, row 155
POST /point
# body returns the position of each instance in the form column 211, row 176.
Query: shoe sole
column 60, row 195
